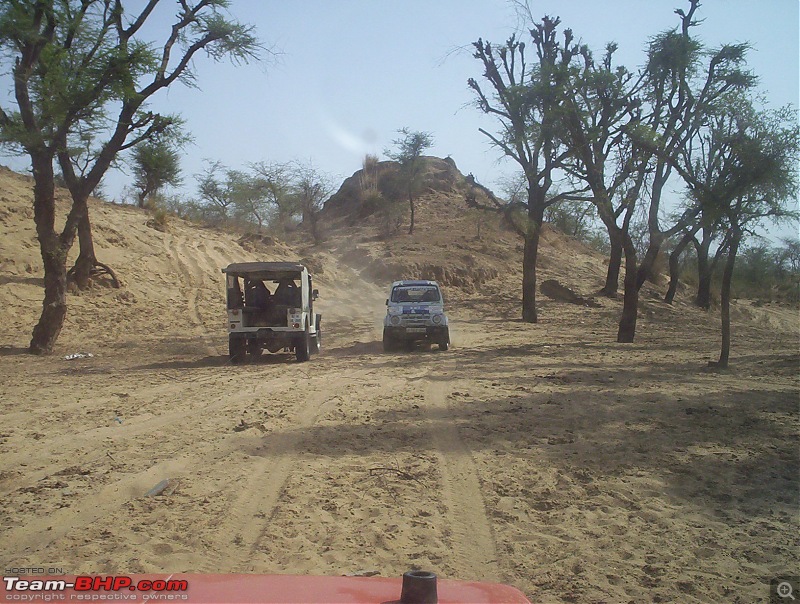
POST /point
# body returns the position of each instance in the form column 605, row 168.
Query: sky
column 345, row 75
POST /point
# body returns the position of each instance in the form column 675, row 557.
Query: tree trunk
column 611, row 287
column 86, row 265
column 54, row 306
column 674, row 267
column 630, row 301
column 674, row 270
column 313, row 225
column 648, row 262
column 725, row 300
column 530, row 254
column 54, row 255
column 81, row 271
column 411, row 205
column 703, row 297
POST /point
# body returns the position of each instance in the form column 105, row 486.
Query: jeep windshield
column 416, row 294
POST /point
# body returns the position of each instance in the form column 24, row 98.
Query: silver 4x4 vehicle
column 271, row 306
column 415, row 312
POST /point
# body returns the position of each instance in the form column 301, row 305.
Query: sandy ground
column 544, row 456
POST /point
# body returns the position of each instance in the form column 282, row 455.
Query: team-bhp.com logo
column 17, row 585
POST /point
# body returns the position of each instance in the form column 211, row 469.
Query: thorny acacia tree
column 266, row 194
column 155, row 164
column 524, row 100
column 647, row 124
column 742, row 169
column 250, row 197
column 684, row 85
column 216, row 188
column 80, row 72
column 274, row 181
column 408, row 153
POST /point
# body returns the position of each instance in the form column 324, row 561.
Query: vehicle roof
column 264, row 270
column 414, row 282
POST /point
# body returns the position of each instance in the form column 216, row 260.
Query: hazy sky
column 350, row 73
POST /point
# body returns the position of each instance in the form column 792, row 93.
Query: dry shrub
column 368, row 180
column 159, row 220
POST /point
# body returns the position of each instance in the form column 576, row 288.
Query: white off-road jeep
column 415, row 312
column 271, row 306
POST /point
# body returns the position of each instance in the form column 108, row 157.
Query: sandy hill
column 453, row 242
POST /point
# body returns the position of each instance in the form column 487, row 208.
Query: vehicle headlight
column 437, row 319
column 395, row 320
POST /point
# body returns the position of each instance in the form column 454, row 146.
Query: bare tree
column 524, row 99
column 311, row 187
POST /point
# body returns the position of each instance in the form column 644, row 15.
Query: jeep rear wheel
column 302, row 348
column 237, row 348
column 253, row 349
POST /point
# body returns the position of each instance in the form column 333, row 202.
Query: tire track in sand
column 70, row 447
column 41, row 533
column 191, row 277
column 249, row 518
column 96, row 504
column 474, row 547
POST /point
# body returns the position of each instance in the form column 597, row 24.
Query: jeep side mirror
column 314, row 294
column 387, row 301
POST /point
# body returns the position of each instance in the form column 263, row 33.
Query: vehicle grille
column 413, row 320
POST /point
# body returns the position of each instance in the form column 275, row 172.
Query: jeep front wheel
column 389, row 343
